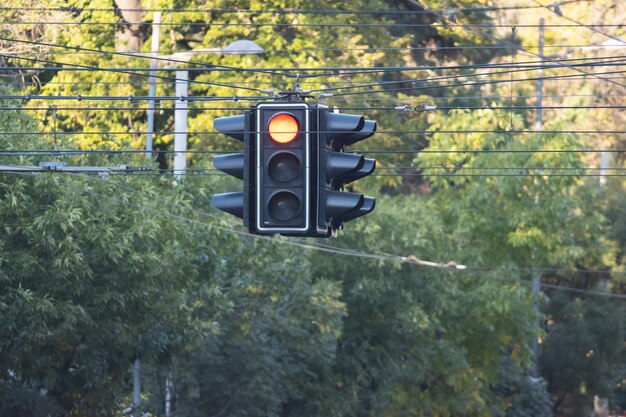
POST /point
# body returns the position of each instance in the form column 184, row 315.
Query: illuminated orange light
column 283, row 128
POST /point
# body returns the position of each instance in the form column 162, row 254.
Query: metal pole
column 137, row 385
column 536, row 280
column 180, row 124
column 605, row 161
column 539, row 117
column 154, row 64
column 169, row 395
column 536, row 284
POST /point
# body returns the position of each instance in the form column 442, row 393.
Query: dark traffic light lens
column 284, row 206
column 284, row 167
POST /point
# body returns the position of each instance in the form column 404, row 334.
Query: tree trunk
column 131, row 35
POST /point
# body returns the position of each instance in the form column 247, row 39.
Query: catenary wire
column 580, row 24
column 519, row 48
column 617, row 60
column 612, row 61
column 485, row 82
column 209, row 172
column 572, row 77
column 132, row 72
column 135, row 55
column 305, row 25
column 446, row 98
column 74, row 10
column 273, row 71
column 381, row 132
column 364, row 49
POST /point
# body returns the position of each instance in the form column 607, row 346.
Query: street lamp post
column 239, row 47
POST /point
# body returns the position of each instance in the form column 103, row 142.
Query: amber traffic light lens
column 283, row 128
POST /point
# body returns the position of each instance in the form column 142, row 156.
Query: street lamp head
column 242, row 47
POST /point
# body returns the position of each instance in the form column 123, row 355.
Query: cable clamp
column 450, row 14
column 556, row 8
column 406, row 107
column 423, row 107
column 52, row 165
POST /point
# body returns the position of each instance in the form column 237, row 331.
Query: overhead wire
column 591, row 27
column 133, row 55
column 78, row 10
column 356, row 99
column 486, row 151
column 380, row 132
column 520, row 48
column 355, row 49
column 484, row 82
column 512, row 68
column 391, row 108
column 296, row 25
column 518, row 67
column 128, row 72
column 273, row 71
column 203, row 173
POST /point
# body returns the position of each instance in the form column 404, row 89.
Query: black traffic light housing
column 337, row 168
column 282, row 168
column 235, row 164
column 294, row 168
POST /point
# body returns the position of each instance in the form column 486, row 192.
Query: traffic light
column 282, row 169
column 294, row 169
column 337, row 168
column 235, row 164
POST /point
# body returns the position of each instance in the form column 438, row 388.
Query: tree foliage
column 95, row 273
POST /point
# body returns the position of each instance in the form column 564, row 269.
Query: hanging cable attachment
column 420, row 108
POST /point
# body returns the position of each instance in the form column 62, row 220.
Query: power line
column 569, row 77
column 572, row 77
column 129, row 72
column 303, row 25
column 485, row 151
column 395, row 99
column 78, row 10
column 519, row 48
column 364, row 49
column 274, row 71
column 495, row 175
column 485, row 82
column 130, row 98
column 617, row 60
column 132, row 55
column 202, row 98
column 123, row 171
column 381, row 132
column 421, row 168
column 588, row 26
column 505, row 168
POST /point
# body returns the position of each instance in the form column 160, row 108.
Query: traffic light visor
column 283, row 128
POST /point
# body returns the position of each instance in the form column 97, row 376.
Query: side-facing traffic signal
column 337, row 168
column 235, row 164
